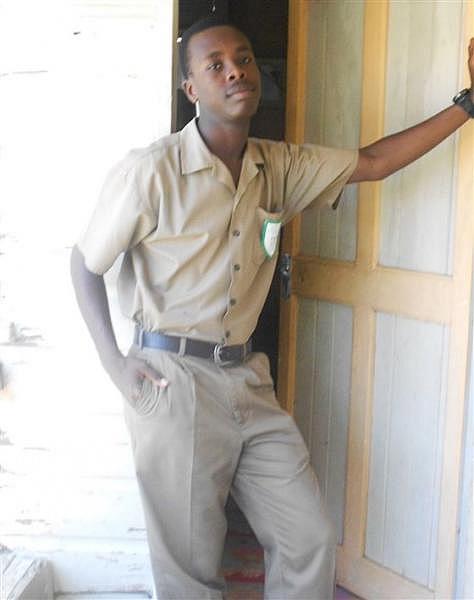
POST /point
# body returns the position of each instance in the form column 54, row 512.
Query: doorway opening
column 266, row 25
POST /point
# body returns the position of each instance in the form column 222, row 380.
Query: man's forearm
column 391, row 153
column 396, row 151
column 94, row 306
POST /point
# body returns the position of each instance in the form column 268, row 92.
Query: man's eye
column 246, row 60
column 215, row 66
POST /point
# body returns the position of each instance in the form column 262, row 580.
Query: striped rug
column 243, row 560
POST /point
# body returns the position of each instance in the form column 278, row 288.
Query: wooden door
column 373, row 351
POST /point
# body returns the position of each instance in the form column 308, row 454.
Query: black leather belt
column 220, row 354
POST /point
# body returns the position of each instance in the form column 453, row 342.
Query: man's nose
column 235, row 72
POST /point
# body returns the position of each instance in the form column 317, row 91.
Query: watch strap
column 463, row 99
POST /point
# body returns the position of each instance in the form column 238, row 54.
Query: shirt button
column 233, row 301
column 236, row 233
column 227, row 334
column 236, row 267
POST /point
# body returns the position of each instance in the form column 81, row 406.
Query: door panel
column 323, row 379
column 330, row 233
column 420, row 59
column 406, row 445
column 333, row 116
column 374, row 338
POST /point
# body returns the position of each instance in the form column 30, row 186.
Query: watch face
column 460, row 95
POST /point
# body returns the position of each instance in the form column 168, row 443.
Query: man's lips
column 244, row 89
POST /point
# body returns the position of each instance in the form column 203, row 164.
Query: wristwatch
column 463, row 99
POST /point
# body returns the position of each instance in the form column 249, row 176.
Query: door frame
column 368, row 288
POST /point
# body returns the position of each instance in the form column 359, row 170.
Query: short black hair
column 197, row 27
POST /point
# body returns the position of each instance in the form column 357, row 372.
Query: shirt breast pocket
column 267, row 235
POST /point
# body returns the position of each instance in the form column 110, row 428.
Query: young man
column 197, row 215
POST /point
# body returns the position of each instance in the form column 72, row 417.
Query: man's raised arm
column 384, row 157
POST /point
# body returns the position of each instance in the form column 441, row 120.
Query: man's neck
column 226, row 140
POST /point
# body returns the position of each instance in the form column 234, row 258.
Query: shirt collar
column 195, row 155
column 254, row 153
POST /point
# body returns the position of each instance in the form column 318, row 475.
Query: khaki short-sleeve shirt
column 199, row 253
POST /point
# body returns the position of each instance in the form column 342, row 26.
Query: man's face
column 223, row 74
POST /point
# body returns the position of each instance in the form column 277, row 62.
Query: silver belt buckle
column 217, row 356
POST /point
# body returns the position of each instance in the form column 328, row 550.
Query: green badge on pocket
column 269, row 236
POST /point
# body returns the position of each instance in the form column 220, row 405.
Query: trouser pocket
column 148, row 396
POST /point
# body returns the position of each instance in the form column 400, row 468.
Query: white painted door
column 375, row 336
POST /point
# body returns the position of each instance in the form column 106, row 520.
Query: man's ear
column 188, row 89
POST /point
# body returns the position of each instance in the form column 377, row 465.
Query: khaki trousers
column 214, row 431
